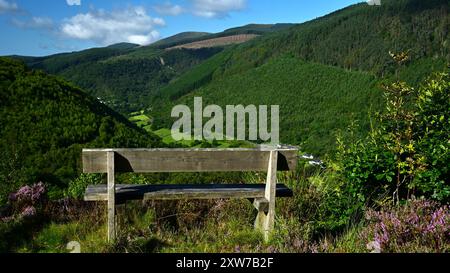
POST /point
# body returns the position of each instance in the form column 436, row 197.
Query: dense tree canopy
column 44, row 124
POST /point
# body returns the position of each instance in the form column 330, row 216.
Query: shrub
column 25, row 201
column 407, row 154
column 78, row 186
column 418, row 226
column 433, row 102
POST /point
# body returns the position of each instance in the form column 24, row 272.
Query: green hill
column 315, row 100
column 123, row 46
column 44, row 124
column 353, row 41
column 359, row 37
column 126, row 75
column 323, row 73
column 257, row 28
column 121, row 75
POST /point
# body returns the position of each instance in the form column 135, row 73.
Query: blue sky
column 43, row 27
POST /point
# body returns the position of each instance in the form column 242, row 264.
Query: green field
column 145, row 122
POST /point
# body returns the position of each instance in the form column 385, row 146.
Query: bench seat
column 187, row 192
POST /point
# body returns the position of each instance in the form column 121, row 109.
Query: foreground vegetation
column 304, row 224
column 385, row 183
column 388, row 192
column 45, row 122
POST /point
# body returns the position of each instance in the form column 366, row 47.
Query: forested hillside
column 314, row 97
column 190, row 37
column 125, row 76
column 122, row 77
column 44, row 124
column 316, row 100
column 359, row 37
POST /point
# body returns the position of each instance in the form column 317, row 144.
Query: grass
column 55, row 238
column 141, row 120
column 166, row 136
column 217, row 226
column 302, row 225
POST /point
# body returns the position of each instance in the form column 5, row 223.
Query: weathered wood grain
column 112, row 161
column 187, row 192
column 111, row 197
column 187, row 160
column 265, row 218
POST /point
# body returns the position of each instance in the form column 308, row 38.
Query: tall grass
column 309, row 222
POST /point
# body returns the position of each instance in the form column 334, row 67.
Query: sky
column 44, row 27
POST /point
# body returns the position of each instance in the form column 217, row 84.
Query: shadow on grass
column 19, row 232
column 154, row 245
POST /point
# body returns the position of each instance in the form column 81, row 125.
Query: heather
column 308, row 223
column 355, row 87
column 420, row 225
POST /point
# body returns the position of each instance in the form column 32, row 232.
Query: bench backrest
column 188, row 160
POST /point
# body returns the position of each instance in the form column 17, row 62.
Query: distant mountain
column 44, row 124
column 123, row 46
column 258, row 28
column 180, row 37
column 360, row 37
column 254, row 29
column 125, row 76
column 217, row 42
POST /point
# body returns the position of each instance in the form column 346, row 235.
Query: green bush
column 407, row 154
column 433, row 141
column 77, row 187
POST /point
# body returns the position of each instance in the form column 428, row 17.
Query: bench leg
column 262, row 206
column 265, row 219
column 111, row 198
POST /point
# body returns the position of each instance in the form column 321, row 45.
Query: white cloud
column 217, row 8
column 169, row 9
column 73, row 2
column 34, row 22
column 131, row 25
column 6, row 6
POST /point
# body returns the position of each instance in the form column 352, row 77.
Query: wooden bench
column 112, row 161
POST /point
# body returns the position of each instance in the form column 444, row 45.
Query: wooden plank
column 186, row 192
column 265, row 218
column 111, row 195
column 271, row 185
column 187, row 160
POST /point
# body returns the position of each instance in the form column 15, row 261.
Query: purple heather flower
column 29, row 212
column 271, row 249
column 237, row 249
column 27, row 193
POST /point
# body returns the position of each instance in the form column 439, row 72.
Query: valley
column 372, row 129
